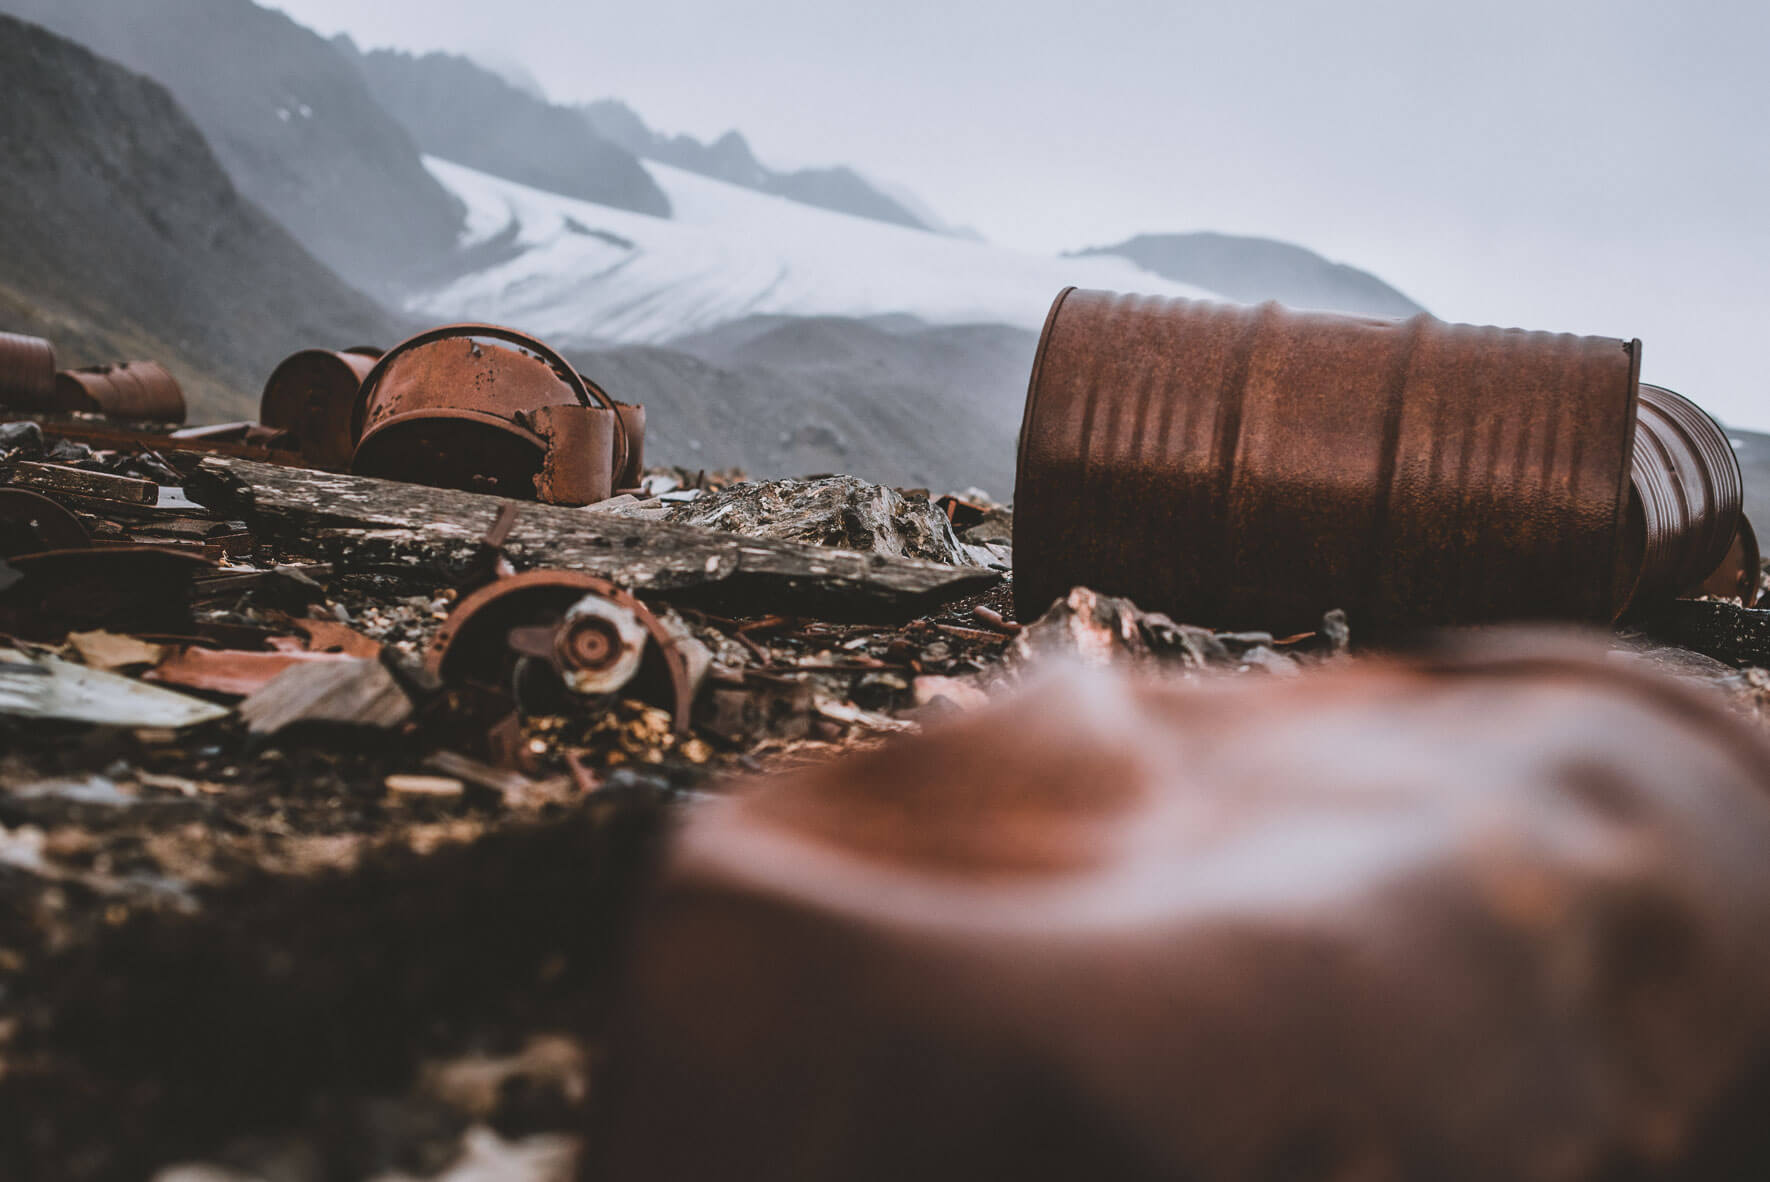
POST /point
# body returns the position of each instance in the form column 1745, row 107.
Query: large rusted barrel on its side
column 313, row 395
column 1255, row 467
column 27, row 373
column 137, row 391
column 1685, row 501
column 455, row 407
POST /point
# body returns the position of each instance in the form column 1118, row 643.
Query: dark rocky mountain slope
column 463, row 112
column 121, row 237
column 290, row 119
column 1254, row 270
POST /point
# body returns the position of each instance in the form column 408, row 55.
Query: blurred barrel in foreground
column 27, row 373
column 1255, row 467
column 1488, row 917
column 137, row 391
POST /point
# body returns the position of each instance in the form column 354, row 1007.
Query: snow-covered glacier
column 577, row 273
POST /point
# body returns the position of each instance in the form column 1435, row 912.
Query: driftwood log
column 362, row 524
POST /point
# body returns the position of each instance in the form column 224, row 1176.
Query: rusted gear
column 31, row 523
column 590, row 631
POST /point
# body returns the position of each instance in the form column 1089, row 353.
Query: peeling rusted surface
column 31, row 523
column 138, row 391
column 1483, row 917
column 542, row 615
column 1685, row 498
column 460, row 376
column 27, row 372
column 1256, row 467
column 313, row 396
column 580, row 443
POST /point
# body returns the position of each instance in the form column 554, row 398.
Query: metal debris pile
column 342, row 740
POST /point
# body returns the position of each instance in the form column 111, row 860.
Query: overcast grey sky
column 1580, row 166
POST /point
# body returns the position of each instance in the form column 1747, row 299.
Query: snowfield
column 578, row 273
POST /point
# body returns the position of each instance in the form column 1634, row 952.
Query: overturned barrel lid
column 1489, row 916
column 489, row 409
column 136, row 391
column 27, row 373
column 1256, row 466
column 312, row 395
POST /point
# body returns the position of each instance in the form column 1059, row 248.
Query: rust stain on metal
column 27, row 372
column 137, row 391
column 231, row 672
column 454, row 407
column 543, row 614
column 313, row 396
column 1256, row 467
column 31, row 523
column 580, row 450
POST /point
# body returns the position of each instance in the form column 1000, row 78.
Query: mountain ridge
column 1253, row 270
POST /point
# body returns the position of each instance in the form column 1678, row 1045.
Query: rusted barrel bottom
column 458, row 449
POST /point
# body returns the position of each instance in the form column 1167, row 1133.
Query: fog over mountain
column 288, row 117
column 121, row 237
column 1253, row 270
column 458, row 110
column 730, row 158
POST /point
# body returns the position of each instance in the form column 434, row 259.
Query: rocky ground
column 286, row 895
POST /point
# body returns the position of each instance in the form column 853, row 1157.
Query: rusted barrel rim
column 587, row 393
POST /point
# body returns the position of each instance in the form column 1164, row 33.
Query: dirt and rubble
column 370, row 942
column 326, row 797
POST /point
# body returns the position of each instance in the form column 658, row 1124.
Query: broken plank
column 102, row 486
column 362, row 523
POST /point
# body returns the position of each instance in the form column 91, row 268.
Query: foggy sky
column 1584, row 167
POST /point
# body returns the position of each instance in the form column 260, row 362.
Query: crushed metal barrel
column 1255, row 466
column 1489, row 915
column 489, row 409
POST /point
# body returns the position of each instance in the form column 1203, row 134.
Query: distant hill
column 729, row 158
column 886, row 398
column 290, row 119
column 1253, row 270
column 461, row 111
column 121, row 237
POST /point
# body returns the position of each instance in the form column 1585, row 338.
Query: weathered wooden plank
column 100, row 486
column 360, row 523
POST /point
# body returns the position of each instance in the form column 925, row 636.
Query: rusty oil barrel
column 27, row 373
column 454, row 408
column 1255, row 467
column 1686, row 499
column 135, row 391
column 313, row 396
